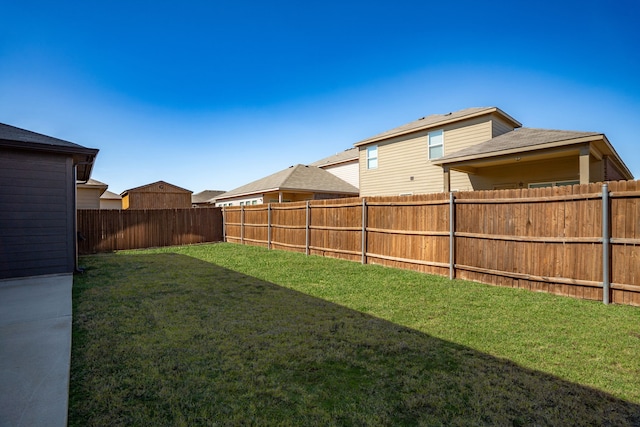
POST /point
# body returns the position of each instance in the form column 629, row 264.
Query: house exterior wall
column 349, row 172
column 110, row 204
column 37, row 214
column 252, row 199
column 520, row 175
column 500, row 126
column 88, row 198
column 404, row 166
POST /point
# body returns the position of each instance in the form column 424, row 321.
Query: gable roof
column 436, row 120
column 109, row 195
column 345, row 156
column 205, row 196
column 154, row 184
column 94, row 184
column 14, row 137
column 295, row 178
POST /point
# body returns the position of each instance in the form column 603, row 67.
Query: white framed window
column 552, row 184
column 436, row 144
column 372, row 157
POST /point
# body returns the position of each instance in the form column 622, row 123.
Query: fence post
column 269, row 226
column 606, row 239
column 307, row 229
column 364, row 231
column 452, row 233
column 224, row 224
column 242, row 225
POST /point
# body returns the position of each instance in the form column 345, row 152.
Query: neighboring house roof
column 348, row 155
column 295, row 178
column 109, row 195
column 154, row 184
column 205, row 196
column 530, row 139
column 518, row 139
column 13, row 137
column 436, row 120
column 96, row 183
column 93, row 183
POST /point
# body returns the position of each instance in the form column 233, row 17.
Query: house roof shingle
column 109, row 195
column 205, row 196
column 522, row 138
column 347, row 155
column 297, row 178
column 157, row 183
column 14, row 137
column 438, row 120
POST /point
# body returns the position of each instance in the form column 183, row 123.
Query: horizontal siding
column 399, row 160
column 404, row 157
column 88, row 198
column 110, row 204
column 466, row 134
column 347, row 172
column 36, row 216
column 500, row 127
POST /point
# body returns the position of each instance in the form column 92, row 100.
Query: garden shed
column 157, row 195
column 38, row 176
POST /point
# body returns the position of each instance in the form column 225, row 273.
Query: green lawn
column 226, row 334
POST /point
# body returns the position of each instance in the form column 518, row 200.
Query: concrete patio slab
column 35, row 350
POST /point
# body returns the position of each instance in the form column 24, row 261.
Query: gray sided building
column 38, row 176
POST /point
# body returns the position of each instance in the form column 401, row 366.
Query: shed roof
column 436, row 120
column 147, row 187
column 295, row 178
column 14, row 137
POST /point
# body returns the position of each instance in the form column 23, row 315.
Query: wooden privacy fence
column 109, row 230
column 581, row 241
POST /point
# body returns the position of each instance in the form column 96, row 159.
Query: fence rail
column 581, row 241
column 109, row 230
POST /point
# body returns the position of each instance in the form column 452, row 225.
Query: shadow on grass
column 167, row 339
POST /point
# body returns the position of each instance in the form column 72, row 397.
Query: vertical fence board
column 109, row 230
column 545, row 239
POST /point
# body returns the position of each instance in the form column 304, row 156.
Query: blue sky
column 215, row 94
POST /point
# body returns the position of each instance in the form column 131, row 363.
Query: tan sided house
column 88, row 194
column 482, row 149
